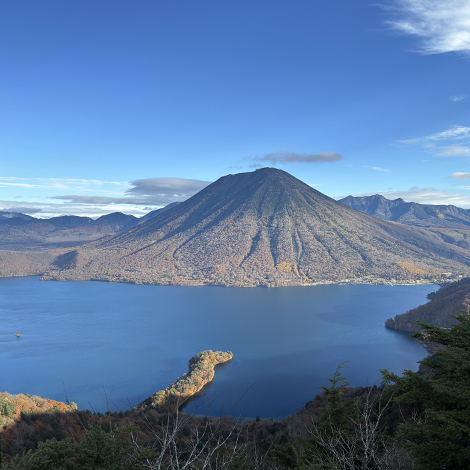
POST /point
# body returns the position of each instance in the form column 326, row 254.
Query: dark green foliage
column 287, row 456
column 97, row 450
column 50, row 455
column 7, row 408
column 437, row 431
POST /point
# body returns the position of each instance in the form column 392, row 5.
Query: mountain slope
column 410, row 213
column 262, row 228
column 449, row 299
column 152, row 214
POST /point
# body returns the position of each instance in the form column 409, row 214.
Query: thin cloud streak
column 103, row 200
column 377, row 168
column 454, row 134
column 169, row 187
column 63, row 184
column 442, row 26
column 46, row 210
column 292, row 157
column 65, row 181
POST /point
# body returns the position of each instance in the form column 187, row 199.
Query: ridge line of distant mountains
column 410, row 213
column 19, row 230
column 260, row 228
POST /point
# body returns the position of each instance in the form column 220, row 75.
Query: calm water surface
column 130, row 341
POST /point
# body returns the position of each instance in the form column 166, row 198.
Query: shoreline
column 376, row 281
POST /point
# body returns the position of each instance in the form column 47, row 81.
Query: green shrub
column 7, row 408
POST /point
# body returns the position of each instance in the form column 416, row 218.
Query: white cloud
column 62, row 183
column 453, row 151
column 377, row 168
column 93, row 198
column 292, row 157
column 460, row 176
column 455, row 132
column 433, row 143
column 426, row 196
column 457, row 98
column 46, row 210
column 442, row 25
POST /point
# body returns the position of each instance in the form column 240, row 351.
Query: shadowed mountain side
column 263, row 228
column 410, row 213
column 448, row 300
column 26, row 263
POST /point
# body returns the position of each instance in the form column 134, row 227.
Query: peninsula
column 200, row 372
column 449, row 299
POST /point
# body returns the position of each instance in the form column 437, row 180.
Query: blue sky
column 128, row 105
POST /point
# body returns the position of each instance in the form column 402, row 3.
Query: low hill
column 263, row 228
column 410, row 213
column 449, row 299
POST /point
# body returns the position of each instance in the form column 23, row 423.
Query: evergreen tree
column 437, row 403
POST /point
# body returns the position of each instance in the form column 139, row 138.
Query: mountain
column 410, row 213
column 14, row 218
column 20, row 231
column 157, row 211
column 262, row 228
column 449, row 299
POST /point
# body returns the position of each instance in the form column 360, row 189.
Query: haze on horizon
column 121, row 106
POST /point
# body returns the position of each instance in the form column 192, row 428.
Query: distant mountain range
column 21, row 231
column 264, row 228
column 410, row 213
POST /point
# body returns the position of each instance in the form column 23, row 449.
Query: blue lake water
column 130, row 341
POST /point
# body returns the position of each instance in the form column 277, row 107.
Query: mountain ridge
column 263, row 228
column 410, row 213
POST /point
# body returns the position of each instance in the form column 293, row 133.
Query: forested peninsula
column 201, row 370
column 449, row 299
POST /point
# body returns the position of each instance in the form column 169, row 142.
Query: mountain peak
column 263, row 227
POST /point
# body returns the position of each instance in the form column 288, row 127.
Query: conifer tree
column 437, row 403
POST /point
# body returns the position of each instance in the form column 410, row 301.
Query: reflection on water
column 134, row 340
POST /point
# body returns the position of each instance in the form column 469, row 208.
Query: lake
column 93, row 340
